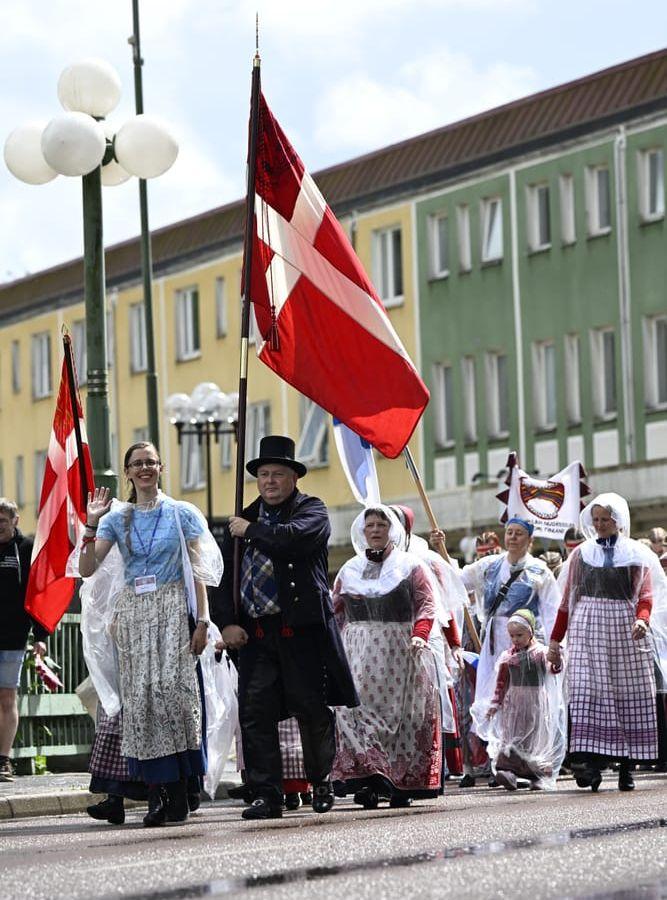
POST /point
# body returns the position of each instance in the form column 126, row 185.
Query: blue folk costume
column 501, row 589
column 137, row 613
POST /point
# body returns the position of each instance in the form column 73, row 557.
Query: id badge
column 145, row 584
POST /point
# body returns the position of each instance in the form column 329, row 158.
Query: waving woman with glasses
column 152, row 558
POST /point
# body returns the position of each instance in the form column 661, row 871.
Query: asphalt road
column 475, row 843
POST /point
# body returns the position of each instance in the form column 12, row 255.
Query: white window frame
column 469, row 394
column 138, row 346
column 439, row 256
column 568, row 223
column 497, row 403
column 258, row 425
column 387, row 267
column 16, row 367
column 188, row 333
column 443, row 376
column 491, row 220
column 651, row 184
column 41, row 365
column 572, row 379
column 193, row 464
column 111, row 337
column 80, row 351
column 313, row 445
column 463, row 237
column 655, row 386
column 538, row 224
column 545, row 394
column 221, row 323
column 226, row 450
column 594, row 201
column 19, row 478
column 40, row 468
column 601, row 360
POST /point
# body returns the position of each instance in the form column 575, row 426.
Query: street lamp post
column 206, row 413
column 76, row 143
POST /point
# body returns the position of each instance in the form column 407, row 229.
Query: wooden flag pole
column 245, row 312
column 73, row 386
column 442, row 546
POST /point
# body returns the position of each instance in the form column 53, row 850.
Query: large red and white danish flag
column 68, row 474
column 322, row 325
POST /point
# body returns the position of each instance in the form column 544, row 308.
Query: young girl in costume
column 526, row 724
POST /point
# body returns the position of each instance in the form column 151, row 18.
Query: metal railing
column 55, row 723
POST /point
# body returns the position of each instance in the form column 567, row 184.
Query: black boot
column 292, row 801
column 156, row 814
column 625, row 780
column 263, row 808
column 177, row 801
column 588, row 776
column 194, row 793
column 323, row 796
column 111, row 810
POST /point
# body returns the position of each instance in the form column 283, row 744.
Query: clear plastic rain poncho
column 527, row 734
column 623, row 569
column 171, row 540
column 222, row 711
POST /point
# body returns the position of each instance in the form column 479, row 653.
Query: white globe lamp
column 73, row 144
column 145, row 147
column 24, row 157
column 90, row 86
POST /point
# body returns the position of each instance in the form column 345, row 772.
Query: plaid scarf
column 259, row 588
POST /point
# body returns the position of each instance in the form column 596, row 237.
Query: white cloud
column 360, row 113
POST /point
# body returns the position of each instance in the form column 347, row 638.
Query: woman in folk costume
column 614, row 614
column 444, row 640
column 513, row 580
column 526, row 727
column 385, row 604
column 145, row 622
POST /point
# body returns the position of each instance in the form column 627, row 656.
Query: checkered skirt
column 611, row 682
column 105, row 756
column 291, row 750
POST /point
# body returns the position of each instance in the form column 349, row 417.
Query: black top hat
column 274, row 448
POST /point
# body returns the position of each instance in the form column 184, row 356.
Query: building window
column 40, row 466
column 188, row 344
column 497, row 395
column 192, row 463
column 225, row 450
column 140, row 434
column 220, row 308
column 568, row 230
column 388, row 265
column 258, row 425
column 110, row 338
column 492, row 229
column 313, row 445
column 16, row 366
column 19, row 487
column 138, row 352
column 463, row 232
column 539, row 217
column 80, row 354
column 444, row 409
column 469, row 399
column 651, row 184
column 603, row 372
column 41, row 365
column 439, row 245
column 572, row 387
column 598, row 200
column 655, row 362
column 544, row 384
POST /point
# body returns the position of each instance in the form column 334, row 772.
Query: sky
column 343, row 78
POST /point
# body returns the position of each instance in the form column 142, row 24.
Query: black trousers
column 282, row 676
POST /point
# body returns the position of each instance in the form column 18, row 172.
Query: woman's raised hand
column 98, row 504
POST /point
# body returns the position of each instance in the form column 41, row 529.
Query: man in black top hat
column 291, row 660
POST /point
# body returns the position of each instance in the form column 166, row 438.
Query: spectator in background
column 15, row 624
column 658, row 539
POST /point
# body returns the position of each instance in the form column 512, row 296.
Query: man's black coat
column 297, row 546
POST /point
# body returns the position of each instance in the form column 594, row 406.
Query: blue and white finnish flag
column 358, row 462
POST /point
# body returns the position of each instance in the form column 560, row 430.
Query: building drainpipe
column 624, row 294
column 518, row 325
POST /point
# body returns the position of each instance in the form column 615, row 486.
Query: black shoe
column 467, row 781
column 110, row 810
column 156, row 814
column 625, row 780
column 588, row 777
column 323, row 796
column 194, row 801
column 241, row 792
column 261, row 808
column 398, row 802
column 492, row 782
column 176, row 806
column 307, row 797
column 292, row 801
column 6, row 769
column 367, row 797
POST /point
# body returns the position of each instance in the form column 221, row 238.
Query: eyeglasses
column 138, row 464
